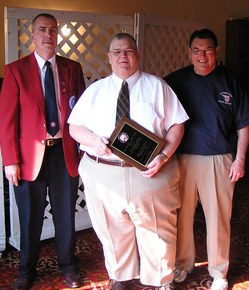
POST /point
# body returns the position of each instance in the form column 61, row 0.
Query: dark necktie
column 123, row 104
column 50, row 102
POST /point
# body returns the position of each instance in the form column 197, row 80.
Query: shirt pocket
column 143, row 113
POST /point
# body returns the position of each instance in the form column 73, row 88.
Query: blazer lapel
column 63, row 73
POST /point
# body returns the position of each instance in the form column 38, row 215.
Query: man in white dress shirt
column 133, row 212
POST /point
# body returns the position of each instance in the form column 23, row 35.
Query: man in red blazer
column 35, row 161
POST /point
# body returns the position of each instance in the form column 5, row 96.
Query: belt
column 112, row 162
column 52, row 142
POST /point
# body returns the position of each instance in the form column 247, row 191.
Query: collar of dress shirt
column 41, row 61
column 131, row 80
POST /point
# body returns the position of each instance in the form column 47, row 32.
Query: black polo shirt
column 217, row 105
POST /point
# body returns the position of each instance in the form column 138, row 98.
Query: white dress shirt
column 42, row 67
column 153, row 105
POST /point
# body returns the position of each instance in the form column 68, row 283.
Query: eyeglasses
column 127, row 52
column 197, row 51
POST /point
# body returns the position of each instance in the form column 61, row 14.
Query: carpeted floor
column 91, row 262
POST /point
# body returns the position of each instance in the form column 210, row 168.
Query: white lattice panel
column 85, row 42
column 83, row 37
column 2, row 212
column 163, row 43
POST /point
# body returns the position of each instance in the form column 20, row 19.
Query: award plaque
column 135, row 144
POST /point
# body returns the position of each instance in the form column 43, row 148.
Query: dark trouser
column 31, row 202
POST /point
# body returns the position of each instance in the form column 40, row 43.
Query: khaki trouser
column 134, row 218
column 205, row 178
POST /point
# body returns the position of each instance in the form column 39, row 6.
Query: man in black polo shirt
column 211, row 155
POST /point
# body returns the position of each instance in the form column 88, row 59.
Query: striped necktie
column 123, row 103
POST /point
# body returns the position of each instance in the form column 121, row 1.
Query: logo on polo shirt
column 225, row 98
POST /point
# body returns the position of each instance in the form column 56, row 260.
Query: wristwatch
column 166, row 158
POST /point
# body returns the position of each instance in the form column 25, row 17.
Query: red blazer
column 22, row 114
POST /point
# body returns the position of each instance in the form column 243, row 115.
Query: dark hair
column 46, row 15
column 123, row 35
column 203, row 34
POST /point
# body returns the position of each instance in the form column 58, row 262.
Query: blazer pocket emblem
column 72, row 101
